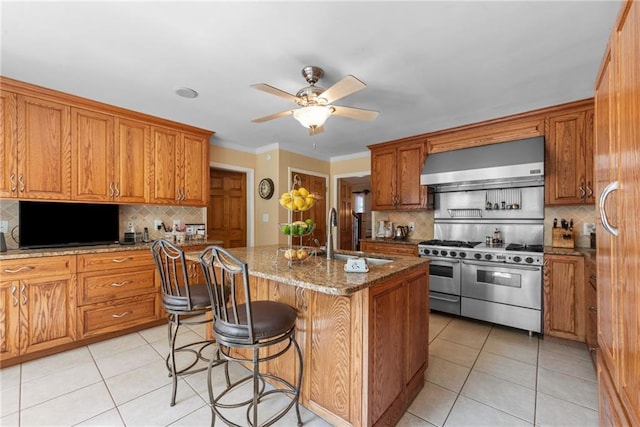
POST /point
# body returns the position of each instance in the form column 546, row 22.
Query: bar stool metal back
column 182, row 300
column 242, row 328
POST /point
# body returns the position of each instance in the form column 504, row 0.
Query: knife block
column 561, row 238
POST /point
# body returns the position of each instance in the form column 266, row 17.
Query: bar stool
column 242, row 328
column 182, row 301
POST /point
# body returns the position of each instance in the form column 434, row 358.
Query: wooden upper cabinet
column 395, row 176
column 43, row 150
column 569, row 159
column 111, row 157
column 8, row 145
column 180, row 168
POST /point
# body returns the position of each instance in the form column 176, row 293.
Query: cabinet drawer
column 37, row 267
column 94, row 287
column 97, row 319
column 390, row 248
column 111, row 260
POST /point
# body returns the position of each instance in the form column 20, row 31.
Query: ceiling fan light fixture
column 313, row 115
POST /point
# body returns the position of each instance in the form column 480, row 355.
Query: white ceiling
column 428, row 65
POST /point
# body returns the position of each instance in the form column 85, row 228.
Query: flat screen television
column 56, row 224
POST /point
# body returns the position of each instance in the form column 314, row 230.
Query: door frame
column 336, row 177
column 250, row 190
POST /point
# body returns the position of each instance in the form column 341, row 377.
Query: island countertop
column 317, row 272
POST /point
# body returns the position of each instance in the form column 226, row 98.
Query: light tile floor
column 479, row 375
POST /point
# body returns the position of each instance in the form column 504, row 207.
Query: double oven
column 475, row 275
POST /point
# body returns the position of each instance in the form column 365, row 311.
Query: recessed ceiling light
column 186, row 92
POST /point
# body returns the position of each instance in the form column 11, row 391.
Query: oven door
column 518, row 285
column 444, row 275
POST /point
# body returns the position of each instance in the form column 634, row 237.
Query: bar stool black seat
column 184, row 303
column 243, row 328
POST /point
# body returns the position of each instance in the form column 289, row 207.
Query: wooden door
column 345, row 217
column 132, row 161
column 606, row 160
column 9, row 321
column 44, row 149
column 563, row 291
column 8, row 145
column 92, row 156
column 194, row 170
column 47, row 312
column 627, row 255
column 383, row 179
column 165, row 152
column 565, row 162
column 410, row 161
column 227, row 208
column 318, row 213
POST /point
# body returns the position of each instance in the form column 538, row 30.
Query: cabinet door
column 44, row 149
column 193, row 170
column 9, row 319
column 417, row 327
column 47, row 312
column 564, row 297
column 383, row 179
column 410, row 161
column 132, row 161
column 92, row 156
column 165, row 151
column 8, row 145
column 566, row 179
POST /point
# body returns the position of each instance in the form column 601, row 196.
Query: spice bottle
column 496, row 236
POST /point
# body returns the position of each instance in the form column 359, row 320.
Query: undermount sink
column 369, row 260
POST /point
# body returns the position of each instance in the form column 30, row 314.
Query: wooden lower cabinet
column 591, row 295
column 116, row 290
column 610, row 409
column 389, row 248
column 364, row 354
column 38, row 302
column 563, row 293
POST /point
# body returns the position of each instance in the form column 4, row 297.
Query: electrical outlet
column 4, row 226
column 588, row 228
column 157, row 224
column 412, row 225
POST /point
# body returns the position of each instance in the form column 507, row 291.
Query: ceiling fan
column 315, row 102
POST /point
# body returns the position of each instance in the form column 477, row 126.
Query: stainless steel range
column 487, row 252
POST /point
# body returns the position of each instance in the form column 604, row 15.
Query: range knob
column 453, row 253
column 528, row 260
column 426, row 251
column 463, row 254
column 517, row 259
column 488, row 256
column 434, row 252
column 443, row 253
column 477, row 256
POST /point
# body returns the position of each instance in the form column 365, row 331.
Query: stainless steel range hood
column 503, row 165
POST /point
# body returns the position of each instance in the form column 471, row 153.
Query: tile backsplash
column 141, row 215
column 424, row 221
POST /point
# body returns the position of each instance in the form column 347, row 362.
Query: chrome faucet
column 331, row 222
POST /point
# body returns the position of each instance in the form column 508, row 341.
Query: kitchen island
column 364, row 336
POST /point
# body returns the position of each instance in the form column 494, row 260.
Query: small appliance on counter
column 385, row 229
column 563, row 236
column 401, row 233
column 131, row 238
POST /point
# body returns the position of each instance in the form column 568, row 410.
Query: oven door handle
column 444, row 299
column 446, row 261
column 502, row 265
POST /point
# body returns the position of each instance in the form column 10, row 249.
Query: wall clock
column 265, row 189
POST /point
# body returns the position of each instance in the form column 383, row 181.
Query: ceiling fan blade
column 316, row 130
column 354, row 113
column 272, row 116
column 275, row 91
column 344, row 87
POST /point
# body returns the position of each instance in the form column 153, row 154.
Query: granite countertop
column 410, row 242
column 79, row 250
column 317, row 272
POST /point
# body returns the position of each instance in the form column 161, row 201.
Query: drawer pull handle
column 14, row 296
column 23, row 288
column 121, row 315
column 121, row 260
column 19, row 269
column 118, row 285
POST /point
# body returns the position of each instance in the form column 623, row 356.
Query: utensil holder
column 562, row 238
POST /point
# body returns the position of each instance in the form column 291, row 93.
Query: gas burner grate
column 524, row 248
column 451, row 243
